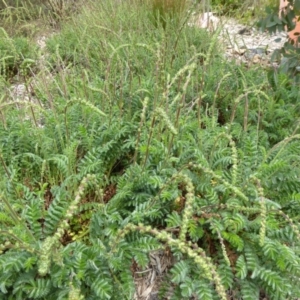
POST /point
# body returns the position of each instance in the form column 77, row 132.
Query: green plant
column 245, row 11
column 17, row 55
column 144, row 146
column 31, row 18
column 289, row 55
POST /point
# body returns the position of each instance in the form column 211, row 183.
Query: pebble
column 244, row 44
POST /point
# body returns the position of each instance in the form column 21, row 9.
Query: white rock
column 236, row 38
column 208, row 20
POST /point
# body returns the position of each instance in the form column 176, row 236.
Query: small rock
column 245, row 31
column 239, row 50
column 207, row 20
column 240, row 42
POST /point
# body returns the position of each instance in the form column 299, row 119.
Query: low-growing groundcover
column 147, row 139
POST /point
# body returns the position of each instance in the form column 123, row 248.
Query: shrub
column 246, row 11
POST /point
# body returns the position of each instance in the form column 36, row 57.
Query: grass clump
column 31, row 18
column 144, row 138
column 18, row 55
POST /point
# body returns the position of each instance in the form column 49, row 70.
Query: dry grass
column 167, row 9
